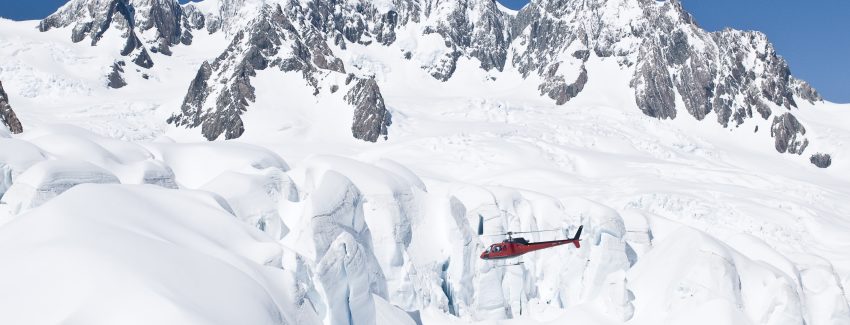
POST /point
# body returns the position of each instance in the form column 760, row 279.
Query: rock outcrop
column 821, row 160
column 115, row 79
column 7, row 115
column 788, row 134
column 371, row 117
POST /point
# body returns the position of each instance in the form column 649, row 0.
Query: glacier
column 530, row 121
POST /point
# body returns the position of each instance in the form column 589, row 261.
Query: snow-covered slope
column 673, row 65
column 108, row 214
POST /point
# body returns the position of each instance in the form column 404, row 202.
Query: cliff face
column 7, row 115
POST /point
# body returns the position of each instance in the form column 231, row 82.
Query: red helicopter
column 514, row 247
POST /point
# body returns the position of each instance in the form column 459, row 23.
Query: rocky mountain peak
column 145, row 25
column 281, row 38
column 676, row 67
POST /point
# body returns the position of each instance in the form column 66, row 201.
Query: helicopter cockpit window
column 497, row 248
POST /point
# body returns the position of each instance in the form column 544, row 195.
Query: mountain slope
column 675, row 65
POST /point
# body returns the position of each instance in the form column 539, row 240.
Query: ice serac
column 280, row 38
column 341, row 244
column 7, row 115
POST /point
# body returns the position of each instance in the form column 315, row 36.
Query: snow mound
column 197, row 164
column 47, row 179
column 130, row 162
column 118, row 254
column 255, row 196
column 712, row 281
column 16, row 156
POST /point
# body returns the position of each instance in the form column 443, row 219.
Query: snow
column 47, row 179
column 106, row 254
column 297, row 223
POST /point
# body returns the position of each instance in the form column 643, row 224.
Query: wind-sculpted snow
column 197, row 164
column 46, row 180
column 16, row 156
column 142, row 255
column 255, row 196
column 717, row 282
column 131, row 163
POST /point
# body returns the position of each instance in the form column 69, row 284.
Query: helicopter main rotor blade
column 520, row 232
column 535, row 231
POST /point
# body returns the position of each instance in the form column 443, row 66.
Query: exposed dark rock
column 7, row 115
column 193, row 104
column 114, row 78
column 193, row 18
column 653, row 86
column 143, row 59
column 788, row 134
column 557, row 88
column 821, row 160
column 371, row 117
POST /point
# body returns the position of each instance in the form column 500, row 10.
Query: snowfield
column 110, row 216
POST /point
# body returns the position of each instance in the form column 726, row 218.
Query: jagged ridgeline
column 728, row 76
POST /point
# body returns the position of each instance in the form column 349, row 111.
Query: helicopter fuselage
column 514, row 248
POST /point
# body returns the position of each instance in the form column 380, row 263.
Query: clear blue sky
column 814, row 36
